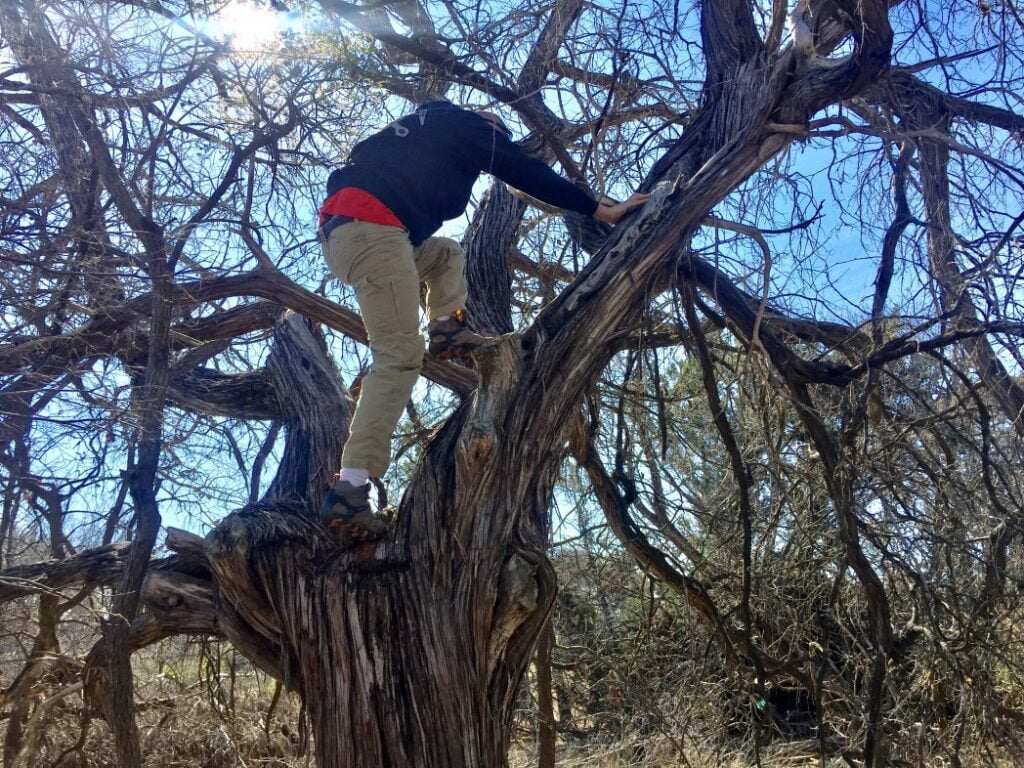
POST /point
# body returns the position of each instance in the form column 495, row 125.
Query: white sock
column 440, row 319
column 354, row 476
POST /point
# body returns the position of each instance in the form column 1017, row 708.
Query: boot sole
column 460, row 353
column 358, row 531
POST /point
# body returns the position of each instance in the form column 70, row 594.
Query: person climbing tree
column 376, row 228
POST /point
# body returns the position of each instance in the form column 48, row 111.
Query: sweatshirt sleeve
column 493, row 153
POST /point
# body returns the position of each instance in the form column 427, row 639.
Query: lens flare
column 248, row 26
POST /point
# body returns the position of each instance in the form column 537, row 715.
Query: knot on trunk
column 526, row 589
column 175, row 603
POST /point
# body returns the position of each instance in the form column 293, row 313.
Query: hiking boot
column 346, row 510
column 451, row 337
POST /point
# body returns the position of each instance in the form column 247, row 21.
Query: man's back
column 424, row 165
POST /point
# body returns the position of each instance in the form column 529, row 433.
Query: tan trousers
column 385, row 270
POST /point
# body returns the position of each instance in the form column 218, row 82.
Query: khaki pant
column 385, row 270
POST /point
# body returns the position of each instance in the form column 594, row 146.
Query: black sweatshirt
column 424, row 165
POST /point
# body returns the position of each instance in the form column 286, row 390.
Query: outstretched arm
column 611, row 214
column 498, row 155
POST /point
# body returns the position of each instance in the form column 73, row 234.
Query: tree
column 410, row 651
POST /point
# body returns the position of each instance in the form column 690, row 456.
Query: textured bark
column 99, row 566
column 489, row 241
column 439, row 619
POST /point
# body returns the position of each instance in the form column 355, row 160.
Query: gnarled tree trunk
column 408, row 651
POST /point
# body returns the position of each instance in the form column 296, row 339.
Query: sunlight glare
column 248, row 26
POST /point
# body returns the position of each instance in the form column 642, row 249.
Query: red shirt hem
column 358, row 204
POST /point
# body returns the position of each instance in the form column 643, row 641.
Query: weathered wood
column 488, row 242
column 175, row 604
column 190, row 552
column 439, row 618
column 233, row 395
column 100, row 566
column 314, row 406
column 47, row 354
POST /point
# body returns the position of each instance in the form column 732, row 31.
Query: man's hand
column 611, row 214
